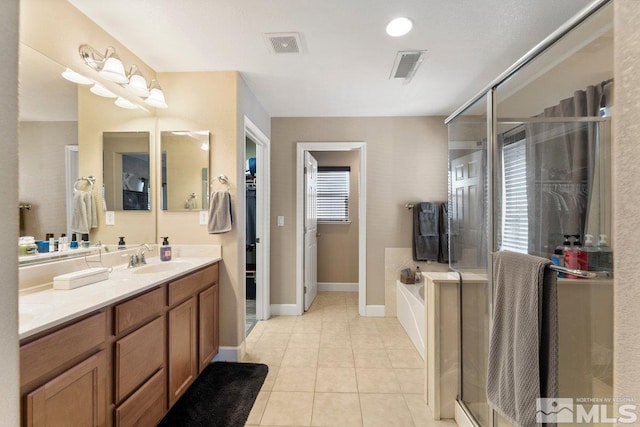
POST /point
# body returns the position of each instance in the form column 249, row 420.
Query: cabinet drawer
column 190, row 285
column 135, row 311
column 137, row 356
column 57, row 349
column 147, row 406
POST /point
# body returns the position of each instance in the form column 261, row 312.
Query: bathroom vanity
column 119, row 352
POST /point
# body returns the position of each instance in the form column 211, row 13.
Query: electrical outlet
column 280, row 221
column 204, row 219
column 110, row 218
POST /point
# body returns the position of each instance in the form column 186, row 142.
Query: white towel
column 523, row 348
column 85, row 214
column 220, row 216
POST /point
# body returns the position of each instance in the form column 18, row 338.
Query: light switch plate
column 204, row 218
column 110, row 218
column 280, row 221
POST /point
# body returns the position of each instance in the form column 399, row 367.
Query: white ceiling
column 344, row 69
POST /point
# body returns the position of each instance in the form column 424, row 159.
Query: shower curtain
column 563, row 170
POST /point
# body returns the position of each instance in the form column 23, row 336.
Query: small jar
column 27, row 246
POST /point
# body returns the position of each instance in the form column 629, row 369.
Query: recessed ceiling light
column 399, row 27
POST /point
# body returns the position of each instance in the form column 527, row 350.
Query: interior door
column 310, row 230
column 468, row 193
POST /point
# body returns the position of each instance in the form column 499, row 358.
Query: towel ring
column 90, row 179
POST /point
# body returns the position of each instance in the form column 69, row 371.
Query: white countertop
column 44, row 309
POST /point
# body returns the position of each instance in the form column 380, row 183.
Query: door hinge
column 305, row 289
column 257, row 240
column 305, row 170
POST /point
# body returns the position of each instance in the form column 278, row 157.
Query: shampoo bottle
column 605, row 255
column 587, row 254
column 165, row 249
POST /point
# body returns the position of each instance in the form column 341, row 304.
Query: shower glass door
column 468, row 251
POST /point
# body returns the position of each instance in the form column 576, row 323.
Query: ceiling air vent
column 284, row 42
column 406, row 64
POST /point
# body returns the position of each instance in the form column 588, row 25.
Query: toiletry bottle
column 587, row 254
column 27, row 246
column 121, row 243
column 62, row 243
column 165, row 249
column 571, row 259
column 605, row 255
column 52, row 242
column 418, row 275
column 74, row 242
column 558, row 259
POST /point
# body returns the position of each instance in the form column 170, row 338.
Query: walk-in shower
column 529, row 163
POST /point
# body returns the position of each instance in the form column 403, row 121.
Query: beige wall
column 10, row 372
column 338, row 243
column 626, row 176
column 406, row 161
column 42, row 176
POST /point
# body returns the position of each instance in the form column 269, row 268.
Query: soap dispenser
column 165, row 249
column 121, row 243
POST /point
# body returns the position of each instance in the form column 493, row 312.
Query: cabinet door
column 208, row 325
column 76, row 397
column 183, row 348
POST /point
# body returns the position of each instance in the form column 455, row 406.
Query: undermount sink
column 159, row 268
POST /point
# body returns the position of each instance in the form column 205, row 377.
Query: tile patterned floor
column 333, row 368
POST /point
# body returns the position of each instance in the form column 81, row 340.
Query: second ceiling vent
column 283, row 42
column 406, row 64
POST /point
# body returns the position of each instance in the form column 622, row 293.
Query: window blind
column 515, row 219
column 333, row 194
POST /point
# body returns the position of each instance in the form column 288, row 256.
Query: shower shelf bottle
column 165, row 250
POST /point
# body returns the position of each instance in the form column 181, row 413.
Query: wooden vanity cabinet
column 193, row 324
column 139, row 380
column 64, row 375
column 125, row 364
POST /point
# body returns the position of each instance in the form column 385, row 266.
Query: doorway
column 302, row 254
column 256, row 176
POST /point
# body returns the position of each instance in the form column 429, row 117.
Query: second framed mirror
column 185, row 170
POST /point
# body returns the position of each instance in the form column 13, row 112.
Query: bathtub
column 410, row 312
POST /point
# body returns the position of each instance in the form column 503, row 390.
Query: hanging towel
column 443, row 231
column 523, row 347
column 220, row 215
column 425, row 231
column 85, row 214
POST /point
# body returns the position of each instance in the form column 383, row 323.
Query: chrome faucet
column 138, row 258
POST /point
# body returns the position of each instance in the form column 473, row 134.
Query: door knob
column 317, row 235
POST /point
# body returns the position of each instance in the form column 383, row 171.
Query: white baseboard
column 284, row 310
column 228, row 354
column 337, row 287
column 375, row 310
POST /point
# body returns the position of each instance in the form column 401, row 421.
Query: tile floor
column 331, row 367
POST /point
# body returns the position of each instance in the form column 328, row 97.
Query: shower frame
column 493, row 155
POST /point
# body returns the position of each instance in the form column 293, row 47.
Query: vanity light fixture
column 125, row 103
column 109, row 65
column 76, row 77
column 156, row 96
column 399, row 27
column 100, row 90
column 137, row 82
column 204, row 146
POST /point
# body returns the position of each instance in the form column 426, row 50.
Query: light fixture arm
column 92, row 57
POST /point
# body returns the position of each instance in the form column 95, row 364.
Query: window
column 515, row 219
column 333, row 194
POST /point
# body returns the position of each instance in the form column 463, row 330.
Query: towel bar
column 581, row 273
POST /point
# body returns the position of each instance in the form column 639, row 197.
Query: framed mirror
column 126, row 171
column 185, row 170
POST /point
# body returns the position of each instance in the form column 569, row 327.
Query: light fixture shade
column 75, row 77
column 137, row 82
column 112, row 68
column 125, row 103
column 100, row 90
column 156, row 96
column 399, row 27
